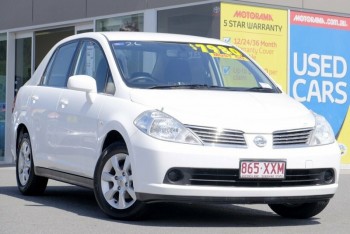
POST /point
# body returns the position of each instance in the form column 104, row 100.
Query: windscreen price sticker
column 262, row 170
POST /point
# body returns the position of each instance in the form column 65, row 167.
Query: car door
column 43, row 103
column 77, row 146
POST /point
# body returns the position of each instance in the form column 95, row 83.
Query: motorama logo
column 253, row 15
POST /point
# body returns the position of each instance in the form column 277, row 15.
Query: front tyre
column 299, row 211
column 27, row 182
column 114, row 184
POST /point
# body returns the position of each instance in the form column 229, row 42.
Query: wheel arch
column 21, row 129
column 113, row 136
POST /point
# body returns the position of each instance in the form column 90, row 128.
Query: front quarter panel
column 117, row 115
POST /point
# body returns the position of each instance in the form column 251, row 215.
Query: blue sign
column 319, row 64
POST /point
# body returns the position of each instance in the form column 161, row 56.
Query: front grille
column 292, row 137
column 230, row 177
column 211, row 135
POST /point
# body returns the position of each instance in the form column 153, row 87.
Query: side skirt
column 64, row 177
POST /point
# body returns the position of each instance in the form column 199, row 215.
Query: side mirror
column 343, row 149
column 83, row 83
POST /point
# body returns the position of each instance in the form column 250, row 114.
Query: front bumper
column 152, row 159
column 151, row 198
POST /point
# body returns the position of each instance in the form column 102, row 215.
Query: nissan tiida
column 149, row 117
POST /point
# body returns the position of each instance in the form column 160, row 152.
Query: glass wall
column 122, row 23
column 23, row 62
column 84, row 31
column 200, row 20
column 45, row 40
column 3, row 49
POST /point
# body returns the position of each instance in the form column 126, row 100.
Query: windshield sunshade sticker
column 119, row 43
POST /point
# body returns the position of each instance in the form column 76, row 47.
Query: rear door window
column 59, row 67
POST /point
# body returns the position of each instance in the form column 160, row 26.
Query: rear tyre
column 27, row 182
column 114, row 185
column 299, row 211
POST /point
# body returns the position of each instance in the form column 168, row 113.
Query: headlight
column 323, row 133
column 164, row 127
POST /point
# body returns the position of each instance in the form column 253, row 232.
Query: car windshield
column 161, row 65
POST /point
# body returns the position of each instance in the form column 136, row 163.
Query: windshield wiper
column 187, row 86
column 212, row 87
column 260, row 89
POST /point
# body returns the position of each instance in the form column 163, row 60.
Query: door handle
column 63, row 103
column 35, row 98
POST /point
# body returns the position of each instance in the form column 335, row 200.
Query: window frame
column 47, row 73
column 44, row 78
column 76, row 62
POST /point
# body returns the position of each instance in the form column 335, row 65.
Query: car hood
column 250, row 112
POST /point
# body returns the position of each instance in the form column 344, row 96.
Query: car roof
column 147, row 36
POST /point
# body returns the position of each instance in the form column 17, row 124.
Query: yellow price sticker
column 219, row 51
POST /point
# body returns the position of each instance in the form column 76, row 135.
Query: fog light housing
column 328, row 176
column 175, row 175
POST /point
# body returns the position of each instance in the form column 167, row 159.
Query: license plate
column 262, row 169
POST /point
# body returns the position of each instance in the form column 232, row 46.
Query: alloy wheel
column 117, row 182
column 24, row 163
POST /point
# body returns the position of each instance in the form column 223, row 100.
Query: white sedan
column 147, row 117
